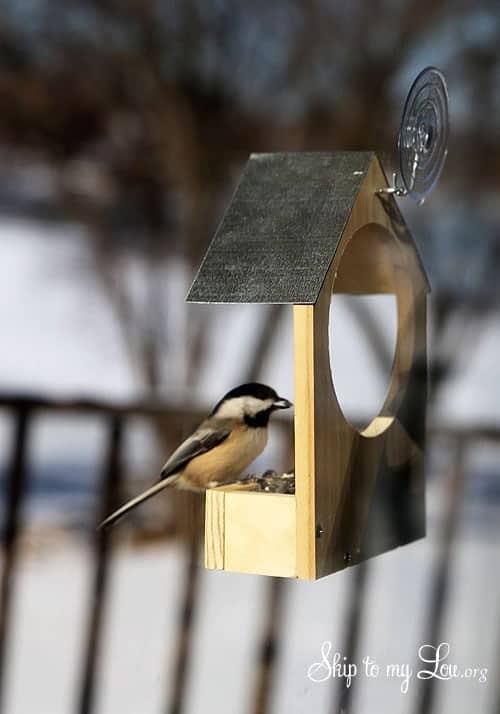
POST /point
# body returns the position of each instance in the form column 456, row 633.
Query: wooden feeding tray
column 299, row 228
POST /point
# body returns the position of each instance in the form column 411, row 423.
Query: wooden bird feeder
column 300, row 227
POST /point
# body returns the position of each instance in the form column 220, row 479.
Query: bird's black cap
column 250, row 389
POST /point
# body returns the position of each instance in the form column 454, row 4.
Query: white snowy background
column 59, row 336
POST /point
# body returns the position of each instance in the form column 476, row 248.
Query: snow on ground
column 58, row 331
column 52, row 592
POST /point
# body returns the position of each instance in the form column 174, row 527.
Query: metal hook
column 395, row 190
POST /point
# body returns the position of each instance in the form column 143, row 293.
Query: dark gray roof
column 282, row 228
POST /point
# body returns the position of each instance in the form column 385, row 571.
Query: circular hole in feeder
column 363, row 329
column 362, row 354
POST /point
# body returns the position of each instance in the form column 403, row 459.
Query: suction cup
column 423, row 134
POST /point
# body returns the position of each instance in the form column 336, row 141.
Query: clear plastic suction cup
column 423, row 136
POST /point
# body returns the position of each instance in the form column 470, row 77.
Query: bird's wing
column 204, row 439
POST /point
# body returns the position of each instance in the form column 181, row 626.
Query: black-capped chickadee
column 222, row 446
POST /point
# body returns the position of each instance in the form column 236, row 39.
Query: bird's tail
column 110, row 520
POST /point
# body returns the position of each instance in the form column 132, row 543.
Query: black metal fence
column 22, row 411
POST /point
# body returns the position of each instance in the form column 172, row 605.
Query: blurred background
column 124, row 125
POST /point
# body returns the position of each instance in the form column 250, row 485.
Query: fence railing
column 23, row 410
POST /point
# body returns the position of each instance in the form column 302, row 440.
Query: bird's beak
column 282, row 404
